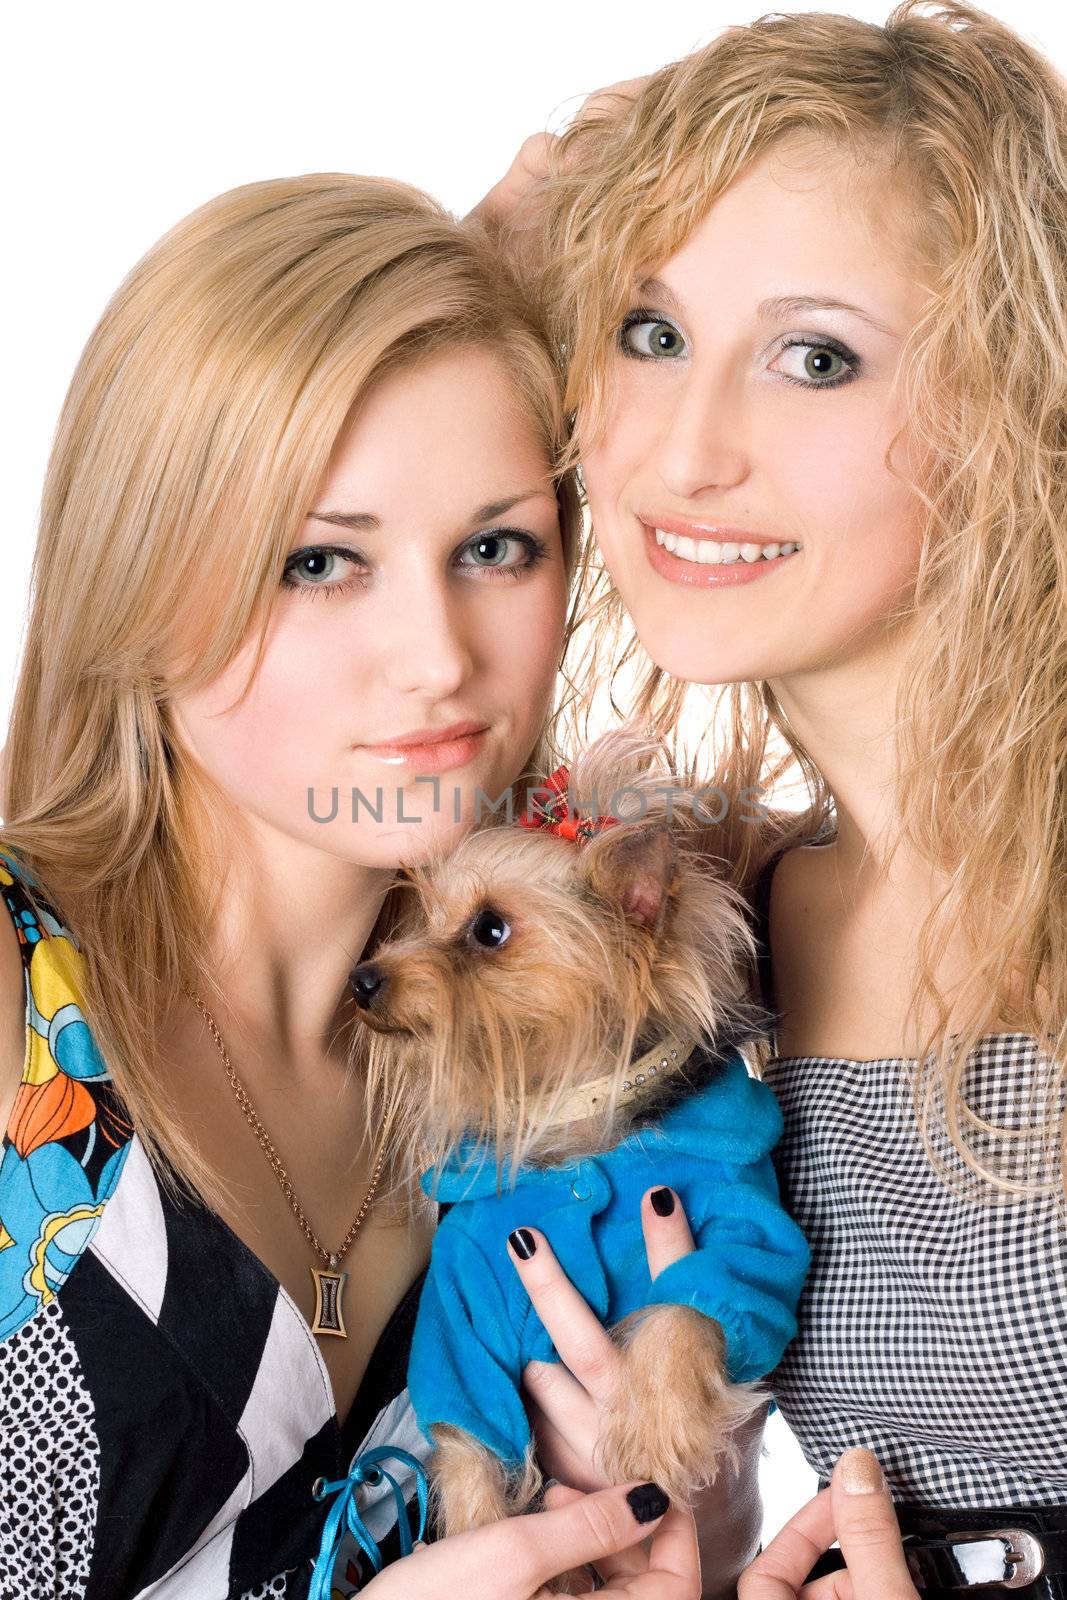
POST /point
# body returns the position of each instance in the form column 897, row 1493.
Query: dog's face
column 529, row 955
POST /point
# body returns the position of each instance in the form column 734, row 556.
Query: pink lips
column 432, row 749
column 689, row 573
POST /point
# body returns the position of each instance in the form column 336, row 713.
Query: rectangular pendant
column 329, row 1318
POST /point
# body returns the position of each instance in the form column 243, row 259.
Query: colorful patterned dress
column 164, row 1408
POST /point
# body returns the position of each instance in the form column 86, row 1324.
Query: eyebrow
column 790, row 305
column 776, row 309
column 367, row 522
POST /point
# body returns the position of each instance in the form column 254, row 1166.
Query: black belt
column 985, row 1552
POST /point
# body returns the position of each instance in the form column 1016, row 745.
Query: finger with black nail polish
column 523, row 1243
column 647, row 1502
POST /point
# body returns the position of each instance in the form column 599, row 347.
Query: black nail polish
column 647, row 1502
column 662, row 1202
column 523, row 1243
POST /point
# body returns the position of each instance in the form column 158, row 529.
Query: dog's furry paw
column 471, row 1487
column 675, row 1412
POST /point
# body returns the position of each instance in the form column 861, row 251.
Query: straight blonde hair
column 952, row 102
column 196, row 430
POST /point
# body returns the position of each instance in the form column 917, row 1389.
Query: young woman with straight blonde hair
column 305, row 545
column 811, row 284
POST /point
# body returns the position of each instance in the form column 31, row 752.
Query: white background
column 119, row 118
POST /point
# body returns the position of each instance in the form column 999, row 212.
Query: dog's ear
column 633, row 868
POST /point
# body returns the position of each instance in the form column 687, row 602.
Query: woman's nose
column 701, row 447
column 430, row 652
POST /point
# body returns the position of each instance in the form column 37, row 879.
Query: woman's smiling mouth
column 684, row 553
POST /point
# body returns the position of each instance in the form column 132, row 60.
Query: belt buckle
column 1023, row 1557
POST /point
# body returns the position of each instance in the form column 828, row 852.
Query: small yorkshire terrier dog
column 555, row 1030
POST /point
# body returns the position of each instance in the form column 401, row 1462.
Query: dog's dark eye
column 490, row 929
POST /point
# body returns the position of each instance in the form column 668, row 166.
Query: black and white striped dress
column 164, row 1408
column 933, row 1328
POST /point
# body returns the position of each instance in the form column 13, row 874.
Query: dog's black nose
column 367, row 980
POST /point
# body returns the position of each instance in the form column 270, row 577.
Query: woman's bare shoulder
column 802, row 905
column 12, row 1015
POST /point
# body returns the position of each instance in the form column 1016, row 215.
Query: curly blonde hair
column 976, row 121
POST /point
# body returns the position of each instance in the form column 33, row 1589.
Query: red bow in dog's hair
column 552, row 813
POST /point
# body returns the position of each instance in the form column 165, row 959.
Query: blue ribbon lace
column 344, row 1517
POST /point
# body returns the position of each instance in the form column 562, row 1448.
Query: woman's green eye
column 313, row 571
column 507, row 553
column 822, row 362
column 816, row 364
column 492, row 548
column 645, row 336
column 322, row 560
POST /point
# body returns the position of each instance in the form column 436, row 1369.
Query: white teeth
column 710, row 553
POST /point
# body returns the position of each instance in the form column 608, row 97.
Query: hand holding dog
column 564, row 1402
column 517, row 1559
column 585, row 1519
column 565, row 1399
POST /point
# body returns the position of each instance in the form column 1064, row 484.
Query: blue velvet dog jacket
column 476, row 1328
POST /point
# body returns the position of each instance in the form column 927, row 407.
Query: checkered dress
column 933, row 1327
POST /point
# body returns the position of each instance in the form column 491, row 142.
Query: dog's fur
column 612, row 944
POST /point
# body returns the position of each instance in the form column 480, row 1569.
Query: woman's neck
column 291, row 923
column 844, row 716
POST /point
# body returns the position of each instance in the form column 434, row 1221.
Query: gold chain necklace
column 329, row 1283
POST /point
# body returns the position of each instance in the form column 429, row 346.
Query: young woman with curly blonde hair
column 810, row 286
